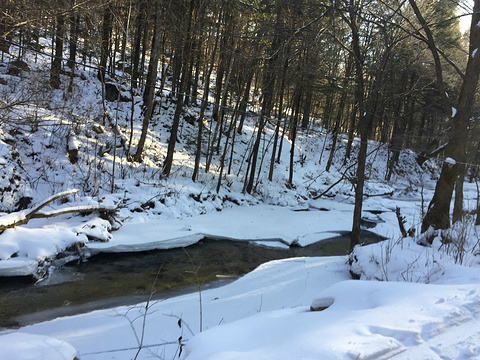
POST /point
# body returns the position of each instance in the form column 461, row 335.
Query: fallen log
column 23, row 217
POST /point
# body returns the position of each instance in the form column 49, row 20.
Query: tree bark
column 293, row 132
column 362, row 154
column 279, row 120
column 149, row 92
column 340, row 110
column 139, row 29
column 57, row 60
column 203, row 106
column 438, row 213
column 107, row 28
column 367, row 108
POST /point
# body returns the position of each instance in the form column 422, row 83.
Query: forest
column 239, row 179
column 394, row 71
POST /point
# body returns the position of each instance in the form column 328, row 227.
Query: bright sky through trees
column 465, row 7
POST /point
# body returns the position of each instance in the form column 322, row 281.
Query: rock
column 112, row 93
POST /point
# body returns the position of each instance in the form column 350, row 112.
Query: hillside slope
column 55, row 140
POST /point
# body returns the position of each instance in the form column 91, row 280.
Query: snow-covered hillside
column 41, row 127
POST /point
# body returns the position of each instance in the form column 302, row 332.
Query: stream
column 113, row 279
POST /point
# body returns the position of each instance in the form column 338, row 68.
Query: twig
column 199, row 285
column 401, row 222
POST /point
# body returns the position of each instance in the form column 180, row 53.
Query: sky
column 465, row 7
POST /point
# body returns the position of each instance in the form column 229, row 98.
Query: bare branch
column 23, row 217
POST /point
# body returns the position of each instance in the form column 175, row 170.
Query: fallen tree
column 12, row 220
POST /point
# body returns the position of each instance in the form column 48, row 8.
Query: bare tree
column 151, row 82
column 438, row 214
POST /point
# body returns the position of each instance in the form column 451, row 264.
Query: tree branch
column 23, row 217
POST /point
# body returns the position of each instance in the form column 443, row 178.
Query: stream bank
column 113, row 279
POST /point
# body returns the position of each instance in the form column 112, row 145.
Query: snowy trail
column 458, row 341
column 458, row 337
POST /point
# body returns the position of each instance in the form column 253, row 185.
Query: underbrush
column 422, row 258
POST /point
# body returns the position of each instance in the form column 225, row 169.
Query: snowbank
column 23, row 346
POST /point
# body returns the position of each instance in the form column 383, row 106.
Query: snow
column 267, row 315
column 412, row 301
column 23, row 346
column 428, row 310
column 450, row 161
column 474, row 52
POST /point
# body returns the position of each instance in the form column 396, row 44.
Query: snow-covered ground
column 412, row 302
column 430, row 308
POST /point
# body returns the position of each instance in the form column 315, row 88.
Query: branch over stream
column 23, row 217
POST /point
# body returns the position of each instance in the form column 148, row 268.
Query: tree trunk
column 458, row 203
column 438, row 214
column 206, row 92
column 149, row 92
column 279, row 120
column 74, row 19
column 139, row 28
column 184, row 60
column 217, row 135
column 167, row 165
column 243, row 105
column 340, row 110
column 307, row 108
column 351, row 131
column 106, row 38
column 57, row 60
column 397, row 139
column 222, row 158
column 293, row 133
column 362, row 154
column 73, row 40
column 367, row 108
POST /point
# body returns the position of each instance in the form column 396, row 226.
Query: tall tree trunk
column 363, row 127
column 230, row 130
column 268, row 87
column 57, row 59
column 293, row 132
column 73, row 39
column 107, row 27
column 217, row 134
column 139, row 28
column 340, row 111
column 206, row 93
column 367, row 108
column 184, row 57
column 307, row 108
column 149, row 92
column 458, row 203
column 189, row 54
column 351, row 130
column 72, row 47
column 279, row 120
column 243, row 105
column 438, row 213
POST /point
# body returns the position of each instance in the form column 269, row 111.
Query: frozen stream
column 112, row 279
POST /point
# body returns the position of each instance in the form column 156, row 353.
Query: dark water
column 108, row 280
